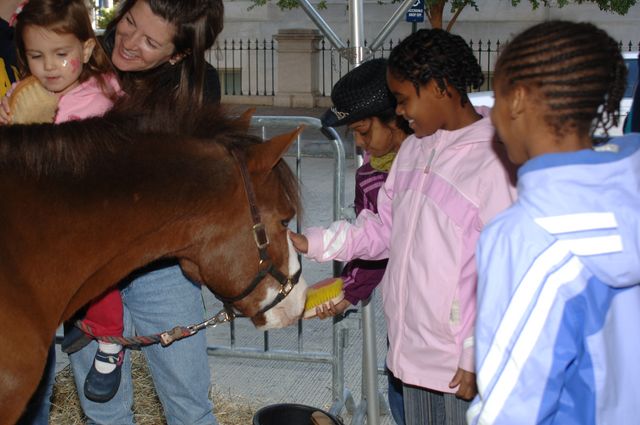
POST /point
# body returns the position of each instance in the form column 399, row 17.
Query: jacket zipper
column 427, row 169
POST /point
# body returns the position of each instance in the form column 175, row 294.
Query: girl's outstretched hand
column 300, row 242
column 467, row 384
column 5, row 111
column 330, row 309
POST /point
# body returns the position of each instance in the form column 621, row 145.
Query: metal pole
column 391, row 24
column 321, row 24
column 356, row 23
column 370, row 363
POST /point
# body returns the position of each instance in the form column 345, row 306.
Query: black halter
column 226, row 314
column 261, row 238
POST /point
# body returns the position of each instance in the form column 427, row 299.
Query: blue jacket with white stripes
column 558, row 325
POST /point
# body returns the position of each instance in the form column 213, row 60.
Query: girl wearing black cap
column 362, row 101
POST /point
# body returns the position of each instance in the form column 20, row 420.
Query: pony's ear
column 262, row 157
column 245, row 118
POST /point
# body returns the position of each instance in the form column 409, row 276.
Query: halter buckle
column 260, row 235
column 286, row 288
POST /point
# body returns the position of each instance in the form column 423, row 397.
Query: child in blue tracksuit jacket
column 558, row 325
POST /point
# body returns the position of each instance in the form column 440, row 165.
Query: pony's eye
column 285, row 223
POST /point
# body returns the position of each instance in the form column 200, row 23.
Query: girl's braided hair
column 576, row 68
column 439, row 55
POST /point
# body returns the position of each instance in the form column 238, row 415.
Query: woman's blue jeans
column 155, row 302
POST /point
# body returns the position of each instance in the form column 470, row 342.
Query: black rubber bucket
column 288, row 414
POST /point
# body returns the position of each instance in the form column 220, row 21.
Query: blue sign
column 416, row 12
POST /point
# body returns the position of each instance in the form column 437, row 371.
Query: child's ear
column 518, row 101
column 437, row 91
column 87, row 49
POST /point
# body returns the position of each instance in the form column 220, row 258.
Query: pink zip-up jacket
column 86, row 100
column 441, row 191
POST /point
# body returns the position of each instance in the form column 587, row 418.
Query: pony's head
column 251, row 264
column 241, row 249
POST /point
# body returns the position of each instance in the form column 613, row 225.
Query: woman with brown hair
column 158, row 49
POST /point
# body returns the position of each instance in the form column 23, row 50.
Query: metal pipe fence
column 248, row 67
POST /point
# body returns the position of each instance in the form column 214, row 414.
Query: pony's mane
column 173, row 118
column 71, row 149
column 46, row 150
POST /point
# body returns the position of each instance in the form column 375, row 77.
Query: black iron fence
column 248, row 67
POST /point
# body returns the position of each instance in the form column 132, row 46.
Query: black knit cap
column 359, row 94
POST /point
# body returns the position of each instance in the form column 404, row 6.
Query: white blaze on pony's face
column 289, row 310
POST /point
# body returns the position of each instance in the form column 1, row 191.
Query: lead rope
column 224, row 315
column 165, row 338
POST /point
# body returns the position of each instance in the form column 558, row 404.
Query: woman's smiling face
column 143, row 40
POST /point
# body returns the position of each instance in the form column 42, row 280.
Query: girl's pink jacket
column 441, row 191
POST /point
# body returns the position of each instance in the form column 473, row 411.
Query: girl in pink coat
column 447, row 181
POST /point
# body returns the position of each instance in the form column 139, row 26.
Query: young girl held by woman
column 557, row 334
column 56, row 44
column 446, row 182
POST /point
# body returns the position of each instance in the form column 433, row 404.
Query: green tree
column 434, row 9
column 105, row 15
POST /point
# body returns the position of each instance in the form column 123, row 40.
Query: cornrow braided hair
column 439, row 55
column 576, row 68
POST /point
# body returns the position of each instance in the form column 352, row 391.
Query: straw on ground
column 229, row 409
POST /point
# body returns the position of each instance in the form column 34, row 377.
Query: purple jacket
column 362, row 276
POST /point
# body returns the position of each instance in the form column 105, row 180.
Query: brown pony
column 85, row 203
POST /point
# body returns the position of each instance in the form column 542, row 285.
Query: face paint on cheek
column 75, row 64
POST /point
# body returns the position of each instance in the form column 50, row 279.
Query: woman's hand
column 300, row 242
column 5, row 111
column 329, row 309
column 467, row 384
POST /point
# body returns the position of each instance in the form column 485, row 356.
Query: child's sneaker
column 103, row 379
